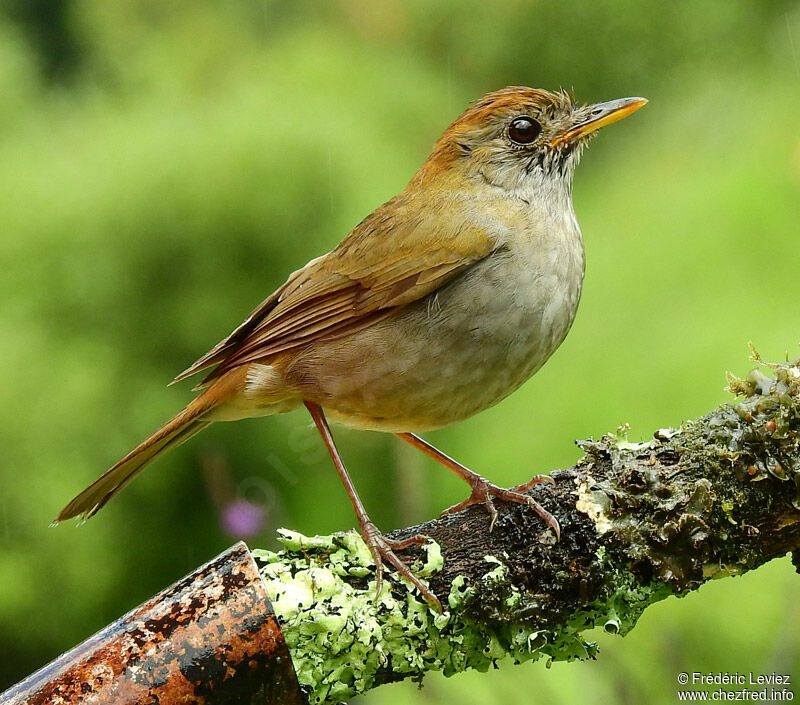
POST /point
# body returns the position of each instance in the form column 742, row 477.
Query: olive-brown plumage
column 437, row 305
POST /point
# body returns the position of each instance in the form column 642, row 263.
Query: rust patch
column 211, row 638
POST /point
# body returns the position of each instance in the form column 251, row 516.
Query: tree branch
column 640, row 522
column 717, row 497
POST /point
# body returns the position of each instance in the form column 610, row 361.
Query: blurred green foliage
column 164, row 166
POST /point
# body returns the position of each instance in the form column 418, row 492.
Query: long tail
column 178, row 429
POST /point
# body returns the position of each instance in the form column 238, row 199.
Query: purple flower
column 241, row 519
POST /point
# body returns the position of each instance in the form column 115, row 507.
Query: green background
column 164, row 166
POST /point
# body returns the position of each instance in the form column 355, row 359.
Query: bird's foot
column 383, row 548
column 483, row 492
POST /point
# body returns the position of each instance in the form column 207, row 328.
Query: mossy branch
column 640, row 522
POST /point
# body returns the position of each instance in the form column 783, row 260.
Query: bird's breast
column 515, row 308
column 462, row 348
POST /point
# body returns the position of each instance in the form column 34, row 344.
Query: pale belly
column 453, row 353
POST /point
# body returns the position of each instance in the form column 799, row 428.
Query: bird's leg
column 379, row 545
column 482, row 489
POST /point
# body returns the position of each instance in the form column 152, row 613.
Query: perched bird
column 436, row 306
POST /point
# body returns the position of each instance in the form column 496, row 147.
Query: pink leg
column 482, row 489
column 379, row 546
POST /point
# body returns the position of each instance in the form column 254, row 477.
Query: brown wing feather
column 395, row 256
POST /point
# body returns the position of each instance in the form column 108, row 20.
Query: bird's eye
column 524, row 130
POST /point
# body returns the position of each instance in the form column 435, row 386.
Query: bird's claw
column 383, row 548
column 484, row 492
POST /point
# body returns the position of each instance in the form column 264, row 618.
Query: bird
column 436, row 306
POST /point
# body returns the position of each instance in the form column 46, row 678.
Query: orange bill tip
column 601, row 114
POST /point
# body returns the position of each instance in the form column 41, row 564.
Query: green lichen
column 628, row 598
column 344, row 641
column 342, row 638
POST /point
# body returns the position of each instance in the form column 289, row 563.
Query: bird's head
column 518, row 137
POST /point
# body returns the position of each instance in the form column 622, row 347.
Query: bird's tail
column 178, row 429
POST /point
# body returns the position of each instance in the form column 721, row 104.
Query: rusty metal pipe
column 211, row 638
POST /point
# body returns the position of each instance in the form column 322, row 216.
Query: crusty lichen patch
column 343, row 641
column 341, row 638
column 594, row 504
column 656, row 499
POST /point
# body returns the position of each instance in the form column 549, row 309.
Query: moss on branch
column 640, row 522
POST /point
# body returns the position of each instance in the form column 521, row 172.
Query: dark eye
column 524, row 130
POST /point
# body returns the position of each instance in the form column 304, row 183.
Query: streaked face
column 518, row 135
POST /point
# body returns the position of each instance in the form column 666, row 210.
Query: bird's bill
column 601, row 114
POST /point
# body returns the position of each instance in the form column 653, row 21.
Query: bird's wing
column 397, row 255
